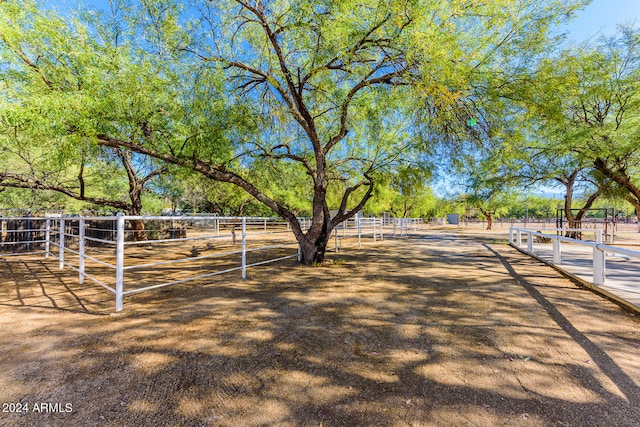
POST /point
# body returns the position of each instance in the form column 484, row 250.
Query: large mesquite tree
column 329, row 93
column 609, row 110
column 336, row 88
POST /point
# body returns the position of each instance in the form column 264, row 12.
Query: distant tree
column 492, row 202
column 412, row 196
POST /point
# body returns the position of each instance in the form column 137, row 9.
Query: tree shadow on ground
column 608, row 366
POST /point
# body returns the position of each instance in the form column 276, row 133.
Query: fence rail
column 599, row 254
column 162, row 251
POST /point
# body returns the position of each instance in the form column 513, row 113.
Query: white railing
column 110, row 251
column 121, row 247
column 599, row 249
column 352, row 231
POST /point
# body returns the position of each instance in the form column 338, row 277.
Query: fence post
column 81, row 250
column 244, row 247
column 612, row 235
column 381, row 228
column 529, row 242
column 335, row 239
column 119, row 260
column 47, row 237
column 394, row 227
column 510, row 236
column 518, row 238
column 598, row 266
column 374, row 229
column 598, row 236
column 28, row 230
column 557, row 255
column 61, row 241
column 359, row 230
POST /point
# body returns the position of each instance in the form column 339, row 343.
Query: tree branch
column 365, row 82
column 27, row 61
column 210, row 171
column 307, row 120
column 12, row 180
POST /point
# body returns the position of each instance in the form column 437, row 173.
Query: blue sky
column 601, row 18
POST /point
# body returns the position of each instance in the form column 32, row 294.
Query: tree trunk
column 636, row 207
column 621, row 177
column 139, row 233
column 575, row 221
column 568, row 202
column 572, row 223
column 313, row 243
column 488, row 216
column 312, row 252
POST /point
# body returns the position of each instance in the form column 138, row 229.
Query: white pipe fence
column 205, row 230
column 599, row 249
column 376, row 228
column 99, row 247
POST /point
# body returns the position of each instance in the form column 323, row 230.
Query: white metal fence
column 352, row 231
column 132, row 254
column 539, row 243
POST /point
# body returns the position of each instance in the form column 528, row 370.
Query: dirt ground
column 447, row 328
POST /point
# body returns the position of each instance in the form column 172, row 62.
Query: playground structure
column 132, row 254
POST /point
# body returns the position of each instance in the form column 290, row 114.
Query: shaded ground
column 451, row 328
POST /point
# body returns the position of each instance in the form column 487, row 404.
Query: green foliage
column 585, row 111
column 404, row 193
column 303, row 105
column 64, row 82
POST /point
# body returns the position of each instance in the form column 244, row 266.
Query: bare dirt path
column 447, row 328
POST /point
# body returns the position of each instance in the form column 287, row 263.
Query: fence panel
column 127, row 254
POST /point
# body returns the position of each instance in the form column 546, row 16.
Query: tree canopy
column 299, row 104
column 585, row 107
